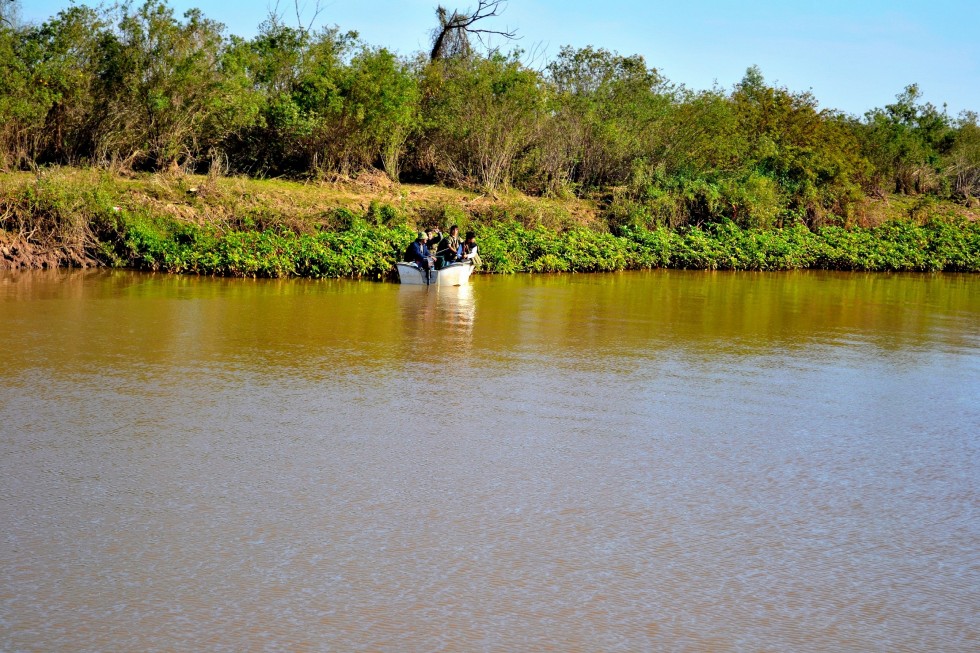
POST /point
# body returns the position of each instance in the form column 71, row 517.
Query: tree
column 46, row 79
column 451, row 38
column 482, row 114
column 9, row 13
column 380, row 109
column 607, row 107
column 810, row 155
column 905, row 141
column 158, row 79
column 964, row 158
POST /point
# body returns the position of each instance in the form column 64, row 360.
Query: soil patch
column 18, row 253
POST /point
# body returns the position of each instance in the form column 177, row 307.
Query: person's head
column 470, row 237
column 422, row 236
column 454, row 230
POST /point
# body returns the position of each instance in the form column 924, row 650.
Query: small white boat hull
column 457, row 274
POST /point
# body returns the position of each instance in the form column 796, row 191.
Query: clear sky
column 853, row 55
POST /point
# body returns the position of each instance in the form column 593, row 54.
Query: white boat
column 454, row 274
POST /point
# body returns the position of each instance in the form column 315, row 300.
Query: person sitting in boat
column 418, row 253
column 469, row 250
column 450, row 248
column 433, row 235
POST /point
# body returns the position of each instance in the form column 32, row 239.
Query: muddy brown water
column 679, row 461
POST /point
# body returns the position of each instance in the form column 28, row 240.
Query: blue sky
column 853, row 55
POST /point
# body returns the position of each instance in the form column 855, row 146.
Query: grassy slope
column 243, row 226
column 223, row 200
column 234, row 200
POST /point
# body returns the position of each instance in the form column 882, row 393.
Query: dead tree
column 9, row 12
column 276, row 16
column 452, row 37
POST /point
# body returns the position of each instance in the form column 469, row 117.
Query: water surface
column 625, row 462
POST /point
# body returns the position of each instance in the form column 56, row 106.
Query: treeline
column 137, row 87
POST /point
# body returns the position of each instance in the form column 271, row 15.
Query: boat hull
column 457, row 274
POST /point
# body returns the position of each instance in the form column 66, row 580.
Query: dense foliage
column 93, row 219
column 137, row 87
column 370, row 251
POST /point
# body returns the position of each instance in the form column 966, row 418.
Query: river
column 671, row 460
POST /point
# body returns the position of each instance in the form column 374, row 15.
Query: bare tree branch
column 317, row 10
column 451, row 37
column 276, row 14
column 9, row 12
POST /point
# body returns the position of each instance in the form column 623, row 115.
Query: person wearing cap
column 418, row 253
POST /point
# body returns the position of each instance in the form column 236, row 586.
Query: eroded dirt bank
column 17, row 252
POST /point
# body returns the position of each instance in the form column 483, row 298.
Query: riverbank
column 273, row 228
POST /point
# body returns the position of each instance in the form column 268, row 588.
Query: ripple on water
column 612, row 487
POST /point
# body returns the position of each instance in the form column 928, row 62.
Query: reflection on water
column 656, row 461
column 441, row 319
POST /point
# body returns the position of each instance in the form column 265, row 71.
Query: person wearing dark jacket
column 433, row 237
column 470, row 249
column 418, row 253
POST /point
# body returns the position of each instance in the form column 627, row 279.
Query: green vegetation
column 243, row 227
column 593, row 162
column 369, row 251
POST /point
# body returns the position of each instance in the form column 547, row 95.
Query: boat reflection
column 446, row 313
